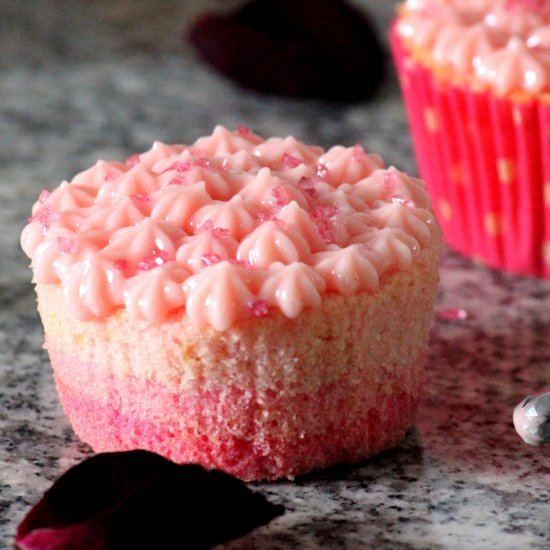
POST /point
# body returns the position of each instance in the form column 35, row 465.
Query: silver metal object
column 532, row 418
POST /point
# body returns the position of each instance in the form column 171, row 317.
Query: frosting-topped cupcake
column 476, row 82
column 502, row 45
column 202, row 301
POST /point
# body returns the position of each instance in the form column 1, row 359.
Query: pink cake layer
column 229, row 430
column 270, row 397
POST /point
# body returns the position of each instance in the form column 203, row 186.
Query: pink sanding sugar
column 133, row 160
column 291, row 161
column 157, row 257
column 259, row 308
column 66, row 245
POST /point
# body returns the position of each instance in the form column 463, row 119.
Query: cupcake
column 475, row 76
column 257, row 306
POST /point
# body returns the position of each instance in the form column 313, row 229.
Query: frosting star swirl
column 230, row 227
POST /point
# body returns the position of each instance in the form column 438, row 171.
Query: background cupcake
column 476, row 82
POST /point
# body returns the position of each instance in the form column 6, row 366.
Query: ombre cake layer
column 348, row 430
column 269, row 398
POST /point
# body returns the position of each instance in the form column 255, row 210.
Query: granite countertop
column 86, row 80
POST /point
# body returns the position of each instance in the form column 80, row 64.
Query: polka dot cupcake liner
column 486, row 162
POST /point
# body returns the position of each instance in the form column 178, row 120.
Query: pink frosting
column 501, row 44
column 233, row 226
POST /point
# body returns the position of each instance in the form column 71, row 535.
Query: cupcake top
column 503, row 45
column 233, row 226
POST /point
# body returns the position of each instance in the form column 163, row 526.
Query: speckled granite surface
column 81, row 80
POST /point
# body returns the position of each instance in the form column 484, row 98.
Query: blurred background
column 82, row 81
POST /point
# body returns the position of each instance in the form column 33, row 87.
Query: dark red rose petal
column 138, row 499
column 311, row 48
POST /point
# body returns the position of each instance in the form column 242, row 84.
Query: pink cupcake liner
column 486, row 162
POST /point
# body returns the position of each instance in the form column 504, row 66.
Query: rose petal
column 137, row 499
column 309, row 48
